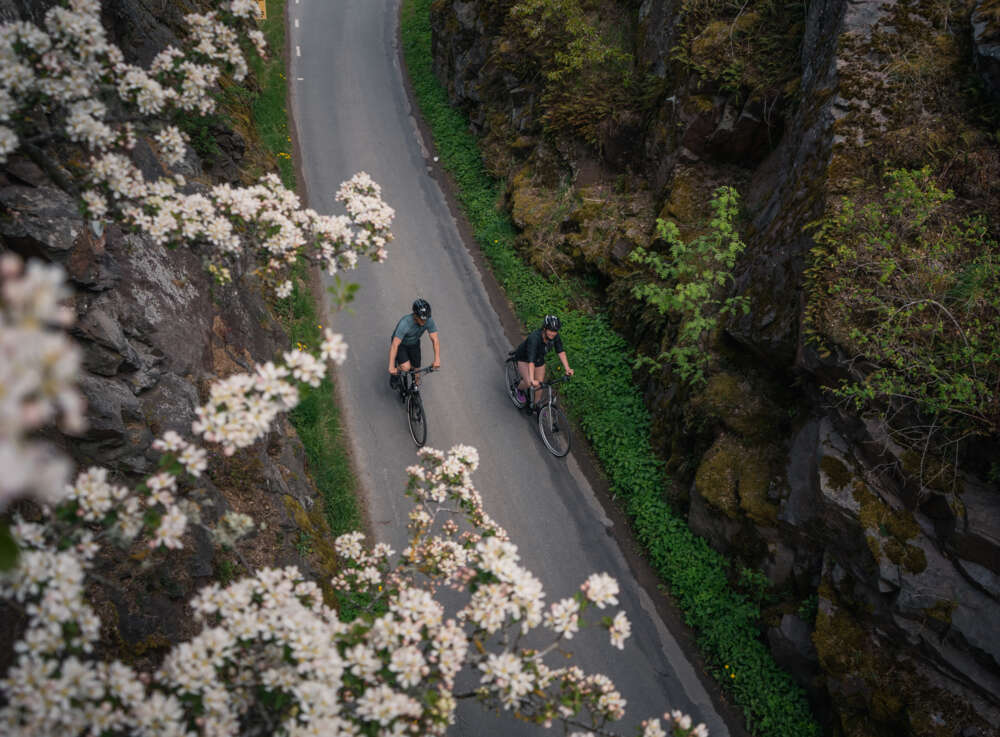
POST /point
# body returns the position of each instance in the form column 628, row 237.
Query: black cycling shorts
column 409, row 353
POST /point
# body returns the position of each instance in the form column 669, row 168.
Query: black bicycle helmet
column 422, row 308
column 551, row 322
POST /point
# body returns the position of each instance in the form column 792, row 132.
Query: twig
column 49, row 167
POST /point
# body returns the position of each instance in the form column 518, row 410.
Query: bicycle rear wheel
column 553, row 426
column 511, row 379
column 416, row 418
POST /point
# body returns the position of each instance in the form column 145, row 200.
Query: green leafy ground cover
column 609, row 407
column 317, row 418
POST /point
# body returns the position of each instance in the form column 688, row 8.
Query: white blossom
column 333, row 348
column 620, row 630
column 172, row 143
column 563, row 617
column 601, row 589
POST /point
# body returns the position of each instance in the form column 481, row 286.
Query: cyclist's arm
column 437, row 350
column 565, row 363
column 393, row 347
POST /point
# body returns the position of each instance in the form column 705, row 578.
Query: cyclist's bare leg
column 539, row 377
column 524, row 369
column 405, row 366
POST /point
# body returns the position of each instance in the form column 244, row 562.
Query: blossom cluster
column 242, row 408
column 63, row 69
column 455, row 544
column 679, row 724
column 270, row 638
column 38, row 369
column 66, row 82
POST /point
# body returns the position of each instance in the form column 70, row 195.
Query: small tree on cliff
column 689, row 282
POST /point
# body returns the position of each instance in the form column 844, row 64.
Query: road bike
column 409, row 394
column 553, row 425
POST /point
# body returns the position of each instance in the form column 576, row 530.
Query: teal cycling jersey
column 409, row 332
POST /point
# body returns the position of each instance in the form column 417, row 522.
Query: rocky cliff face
column 155, row 331
column 904, row 636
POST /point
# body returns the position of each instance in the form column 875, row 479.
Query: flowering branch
column 67, row 84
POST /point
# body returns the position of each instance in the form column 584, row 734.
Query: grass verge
column 726, row 622
column 270, row 108
column 317, row 418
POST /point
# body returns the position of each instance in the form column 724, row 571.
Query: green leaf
column 8, row 548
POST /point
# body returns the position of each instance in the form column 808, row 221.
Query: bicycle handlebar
column 414, row 372
column 559, row 380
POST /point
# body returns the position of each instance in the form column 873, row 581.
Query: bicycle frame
column 407, row 379
column 547, row 386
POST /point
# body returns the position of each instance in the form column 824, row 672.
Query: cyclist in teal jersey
column 404, row 349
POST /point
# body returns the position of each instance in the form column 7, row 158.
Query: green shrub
column 751, row 48
column 909, row 288
column 200, row 130
column 694, row 276
column 587, row 70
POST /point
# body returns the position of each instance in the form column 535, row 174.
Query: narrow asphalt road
column 351, row 114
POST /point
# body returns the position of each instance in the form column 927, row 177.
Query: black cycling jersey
column 534, row 348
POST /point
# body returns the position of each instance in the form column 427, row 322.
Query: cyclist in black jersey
column 530, row 356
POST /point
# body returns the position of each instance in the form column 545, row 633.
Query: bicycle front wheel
column 553, row 426
column 511, row 379
column 416, row 418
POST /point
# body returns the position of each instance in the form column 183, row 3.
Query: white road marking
column 296, row 22
column 298, row 51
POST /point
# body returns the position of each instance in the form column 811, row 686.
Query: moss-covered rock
column 530, row 206
column 836, row 471
column 876, row 691
column 734, row 479
column 686, row 199
column 756, row 476
column 717, row 478
column 321, row 554
column 889, row 530
column 739, row 405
